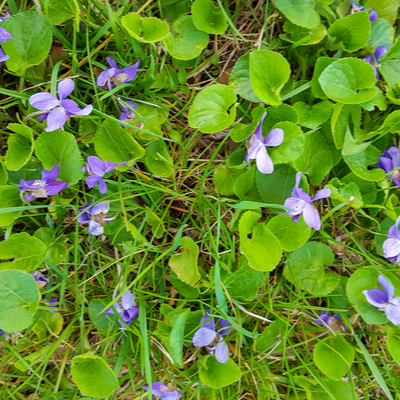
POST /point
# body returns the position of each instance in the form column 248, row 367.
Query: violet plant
column 390, row 163
column 163, row 391
column 334, row 322
column 391, row 246
column 125, row 307
column 95, row 216
column 113, row 76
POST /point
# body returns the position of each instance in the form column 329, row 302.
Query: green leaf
column 239, row 79
column 290, row 235
column 208, row 18
column 158, row 160
column 258, row 243
column 352, row 32
column 278, row 114
column 298, row 34
column 393, row 52
column 209, row 111
column 103, row 323
column 147, row 30
column 364, row 279
column 359, row 163
column 334, row 356
column 343, row 116
column 9, row 198
column 367, row 188
column 26, row 251
column 31, row 40
column 183, row 289
column 379, row 100
column 217, row 375
column 349, row 80
column 305, row 268
column 269, row 71
column 112, row 143
column 60, row 148
column 268, row 338
column 152, row 118
column 47, row 323
column 35, row 357
column 185, row 42
column 352, row 146
column 382, row 34
column 3, row 174
column 320, row 65
column 316, row 160
column 225, row 178
column 185, row 264
column 390, row 70
column 19, row 299
column 340, row 192
column 393, row 344
column 173, row 9
column 93, row 376
column 314, row 116
column 245, row 186
column 391, row 123
column 20, row 146
column 60, row 11
column 300, row 12
column 386, row 9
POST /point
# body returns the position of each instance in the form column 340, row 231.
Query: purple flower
column 4, row 35
column 211, row 338
column 374, row 60
column 2, row 333
column 127, row 114
column 301, row 203
column 391, row 246
column 384, row 300
column 52, row 303
column 166, row 392
column 41, row 280
column 125, row 308
column 257, row 150
column 96, row 169
column 336, row 321
column 58, row 111
column 373, row 15
column 96, row 216
column 3, row 57
column 391, row 164
column 113, row 76
column 47, row 186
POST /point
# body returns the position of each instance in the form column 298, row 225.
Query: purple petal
column 322, row 194
column 373, row 16
column 95, row 228
column 295, row 191
column 112, row 62
column 103, row 187
column 43, row 101
column 39, row 277
column 50, row 175
column 43, row 117
column 379, row 52
column 56, row 119
column 394, row 230
column 207, row 321
column 175, row 395
column 127, row 300
column 224, row 327
column 377, row 297
column 110, row 165
column 204, row 337
column 311, row 217
column 255, row 147
column 85, row 213
column 3, row 57
column 101, row 208
column 65, row 88
column 356, row 8
column 128, row 316
column 156, row 388
column 275, row 137
column 4, row 35
column 92, row 180
column 392, row 311
column 130, row 104
column 55, row 187
column 385, row 163
column 369, row 59
column 97, row 166
column 391, row 247
column 84, row 111
column 264, row 162
column 103, row 76
column 296, row 205
column 386, row 286
column 394, row 154
column 258, row 131
column 222, row 352
column 72, row 108
column 29, row 197
column 131, row 71
column 323, row 320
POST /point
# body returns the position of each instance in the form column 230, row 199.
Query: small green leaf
column 103, row 323
column 300, row 12
column 391, row 123
column 298, row 33
column 278, row 114
column 152, row 118
column 320, row 65
column 269, row 71
column 183, row 289
column 93, row 376
column 20, row 146
column 3, row 174
column 215, row 374
column 367, row 188
column 393, row 344
column 340, row 192
column 147, row 30
column 343, row 116
column 382, row 34
column 245, row 186
column 9, row 198
column 158, row 160
column 268, row 338
column 60, row 11
column 208, row 18
column 35, row 357
column 47, row 323
column 313, row 117
column 225, row 178
column 212, row 109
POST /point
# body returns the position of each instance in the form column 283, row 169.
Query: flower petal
column 204, row 337
column 275, row 137
column 95, row 228
column 127, row 300
column 222, row 352
column 207, row 321
column 84, row 111
column 256, row 146
column 97, row 166
column 295, row 204
column 101, row 208
column 264, row 162
column 50, row 175
column 110, row 165
column 65, row 88
column 322, row 194
column 376, row 297
column 56, row 119
column 379, row 52
column 103, row 187
column 4, row 35
column 394, row 230
column 156, row 388
column 323, row 320
column 72, row 108
column 92, row 180
column 295, row 191
column 392, row 311
column 224, row 327
column 373, row 16
column 130, row 104
column 391, row 247
column 369, row 59
column 112, row 62
column 103, row 77
column 43, row 101
column 131, row 71
column 55, row 187
column 385, row 163
column 311, row 217
column 387, row 286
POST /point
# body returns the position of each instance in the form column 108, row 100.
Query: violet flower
column 335, row 321
column 96, row 169
column 45, row 187
column 55, row 110
column 211, row 338
column 391, row 165
column 3, row 57
column 113, row 76
column 4, row 35
column 96, row 216
column 373, row 15
column 391, row 246
column 40, row 279
column 301, row 203
column 2, row 333
column 52, row 303
column 257, row 150
column 384, row 300
column 127, row 114
column 125, row 308
column 166, row 392
column 374, row 60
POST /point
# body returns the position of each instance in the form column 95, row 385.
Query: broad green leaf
column 278, row 114
column 19, row 300
column 393, row 52
column 185, row 42
column 393, row 344
column 184, row 264
column 103, row 323
column 236, row 159
column 3, row 174
column 173, row 9
column 382, row 34
column 391, row 123
column 55, row 252
column 269, row 71
column 9, row 198
column 225, row 178
column 245, row 186
column 316, row 160
column 30, row 43
column 352, row 32
column 208, row 18
column 35, row 357
column 157, row 159
column 390, row 70
column 339, row 390
column 215, row 374
column 93, row 376
column 152, row 118
column 314, row 116
column 359, row 163
column 290, row 235
column 26, row 251
column 334, row 356
column 183, row 289
column 343, row 116
column 367, row 188
column 146, row 30
column 239, row 79
column 258, row 243
column 60, row 148
column 268, row 338
column 386, row 9
column 305, row 268
column 340, row 192
column 298, row 33
column 47, row 323
column 213, row 109
column 20, row 146
column 300, row 12
column 349, row 81
column 60, row 11
column 379, row 100
column 320, row 65
column 352, row 146
column 364, row 279
column 112, row 143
